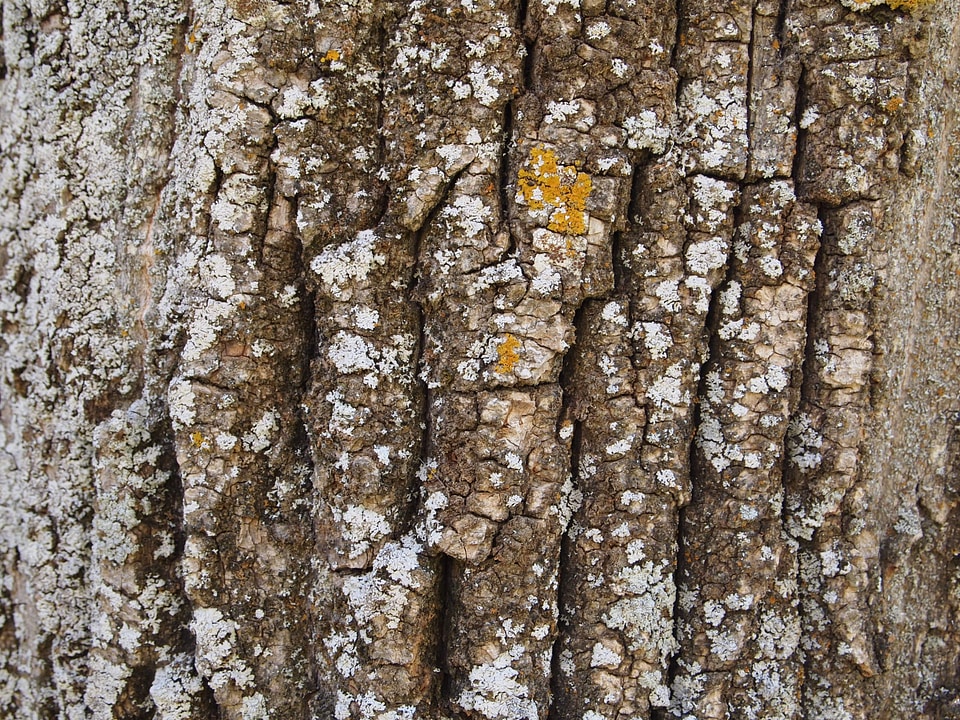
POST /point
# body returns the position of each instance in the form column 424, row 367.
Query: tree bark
column 568, row 359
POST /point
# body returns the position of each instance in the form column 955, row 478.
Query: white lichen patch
column 181, row 403
column 176, row 689
column 598, row 30
column 707, row 255
column 551, row 6
column 668, row 390
column 361, row 527
column 470, row 214
column 216, row 655
column 217, row 277
column 668, row 291
column 804, row 443
column 341, row 267
column 261, row 434
column 646, row 131
column 604, row 656
column 715, row 121
column 204, row 328
column 656, row 339
column 494, row 691
column 809, row 117
column 644, row 614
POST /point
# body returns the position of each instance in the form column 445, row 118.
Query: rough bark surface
column 463, row 359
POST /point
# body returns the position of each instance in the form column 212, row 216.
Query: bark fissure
column 566, row 595
column 477, row 360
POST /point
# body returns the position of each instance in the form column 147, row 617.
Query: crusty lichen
column 545, row 184
column 908, row 5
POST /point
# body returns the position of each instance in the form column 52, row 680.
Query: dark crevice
column 185, row 641
column 780, row 29
column 424, row 447
column 620, row 273
column 814, row 301
column 528, row 77
column 504, row 174
column 414, row 286
column 3, row 55
column 570, row 412
column 509, row 129
column 447, row 597
column 215, row 187
column 808, row 375
column 556, row 691
column 269, row 192
column 796, row 172
column 308, row 328
column 523, row 7
column 751, row 58
column 634, row 211
column 382, row 150
column 675, row 50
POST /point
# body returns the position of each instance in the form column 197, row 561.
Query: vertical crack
column 528, row 76
column 382, row 150
column 572, row 413
column 185, row 641
column 780, row 32
column 807, row 396
column 308, row 328
column 799, row 107
column 424, row 447
column 504, row 175
column 446, row 596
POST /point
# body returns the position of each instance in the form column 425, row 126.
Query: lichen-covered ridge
column 479, row 359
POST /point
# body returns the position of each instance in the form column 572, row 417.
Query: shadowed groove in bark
column 808, row 372
column 505, row 184
column 186, row 642
column 447, row 596
column 781, row 27
column 569, row 411
column 459, row 187
column 799, row 107
column 751, row 54
column 528, row 75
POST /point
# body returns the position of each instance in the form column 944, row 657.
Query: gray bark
column 577, row 359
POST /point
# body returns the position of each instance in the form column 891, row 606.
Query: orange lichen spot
column 545, row 184
column 893, row 104
column 331, row 56
column 910, row 5
column 198, row 439
column 507, row 355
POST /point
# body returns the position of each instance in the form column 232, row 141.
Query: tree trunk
column 454, row 359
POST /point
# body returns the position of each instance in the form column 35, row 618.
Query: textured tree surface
column 463, row 359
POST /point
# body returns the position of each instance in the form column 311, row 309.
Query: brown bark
column 484, row 359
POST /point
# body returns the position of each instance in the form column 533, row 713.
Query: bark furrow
column 479, row 359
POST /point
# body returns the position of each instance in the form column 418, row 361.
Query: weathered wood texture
column 460, row 359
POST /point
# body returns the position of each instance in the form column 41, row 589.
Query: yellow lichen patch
column 893, row 104
column 198, row 439
column 331, row 56
column 507, row 355
column 545, row 184
column 908, row 5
